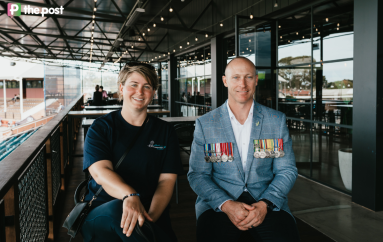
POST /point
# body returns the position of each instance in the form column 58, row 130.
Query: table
column 115, row 107
column 88, row 122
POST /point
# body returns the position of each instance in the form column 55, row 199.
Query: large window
column 315, row 88
column 194, row 82
column 165, row 85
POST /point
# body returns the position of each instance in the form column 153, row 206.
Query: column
column 218, row 64
column 173, row 84
column 5, row 96
column 21, row 97
column 367, row 169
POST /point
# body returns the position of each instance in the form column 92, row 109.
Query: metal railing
column 32, row 179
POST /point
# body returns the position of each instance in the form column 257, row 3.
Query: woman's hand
column 133, row 210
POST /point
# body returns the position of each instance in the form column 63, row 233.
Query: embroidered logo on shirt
column 158, row 147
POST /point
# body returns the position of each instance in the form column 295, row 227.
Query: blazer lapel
column 228, row 130
column 256, row 129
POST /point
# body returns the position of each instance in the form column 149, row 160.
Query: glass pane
column 165, row 85
column 294, row 45
column 300, row 135
column 333, row 92
column 266, row 89
column 333, row 33
column 229, row 45
column 90, row 80
column 207, row 94
column 255, row 44
column 330, row 155
column 295, row 92
column 207, row 58
column 1, row 84
column 199, row 62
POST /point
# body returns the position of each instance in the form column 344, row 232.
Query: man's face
column 240, row 79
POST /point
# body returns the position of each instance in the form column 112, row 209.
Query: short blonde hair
column 145, row 70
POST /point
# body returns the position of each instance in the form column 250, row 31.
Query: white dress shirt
column 242, row 133
column 242, row 136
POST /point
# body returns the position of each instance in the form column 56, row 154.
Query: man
column 246, row 193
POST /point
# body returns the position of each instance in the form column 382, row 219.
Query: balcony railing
column 33, row 178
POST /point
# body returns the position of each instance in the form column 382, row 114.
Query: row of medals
column 217, row 157
column 267, row 154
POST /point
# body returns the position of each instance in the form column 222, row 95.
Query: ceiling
column 68, row 36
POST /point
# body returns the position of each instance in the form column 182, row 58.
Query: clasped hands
column 133, row 211
column 245, row 216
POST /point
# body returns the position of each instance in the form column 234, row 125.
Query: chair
column 97, row 99
column 185, row 134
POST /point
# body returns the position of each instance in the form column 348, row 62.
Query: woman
column 104, row 94
column 150, row 168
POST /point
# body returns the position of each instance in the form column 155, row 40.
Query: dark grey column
column 173, row 84
column 217, row 70
column 367, row 169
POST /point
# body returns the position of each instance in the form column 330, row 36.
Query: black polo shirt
column 156, row 151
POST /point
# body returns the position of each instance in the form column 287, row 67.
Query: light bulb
column 297, row 33
column 171, row 9
column 168, row 53
column 174, row 50
column 196, row 39
column 139, row 38
column 281, row 37
column 279, row 26
column 162, row 18
column 143, row 34
column 148, row 30
column 154, row 25
column 188, row 43
column 93, row 16
column 132, row 46
column 95, row 9
column 326, row 19
column 180, row 46
column 221, row 24
column 251, row 16
column 206, row 35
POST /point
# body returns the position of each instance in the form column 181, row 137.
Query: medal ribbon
column 264, row 144
column 209, row 149
column 280, row 142
column 213, row 149
column 218, row 148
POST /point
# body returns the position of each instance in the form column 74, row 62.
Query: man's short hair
column 239, row 57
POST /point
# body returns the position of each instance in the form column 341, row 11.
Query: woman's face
column 137, row 92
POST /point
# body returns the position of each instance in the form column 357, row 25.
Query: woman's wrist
column 130, row 195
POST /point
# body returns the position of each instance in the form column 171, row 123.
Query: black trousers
column 216, row 226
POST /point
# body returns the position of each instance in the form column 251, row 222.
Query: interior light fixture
column 132, row 47
column 143, row 34
column 251, row 16
column 92, row 27
column 326, row 19
column 337, row 28
column 174, row 50
column 93, row 21
column 276, row 4
column 249, row 40
column 337, row 25
column 303, row 37
column 196, row 39
column 188, row 43
column 154, row 25
column 95, row 1
column 318, row 32
column 316, row 29
column 139, row 38
column 95, row 9
column 297, row 33
column 180, row 46
column 281, row 37
column 221, row 24
column 148, row 29
column 279, row 26
column 155, row 57
column 164, row 54
column 206, row 35
column 162, row 18
column 250, row 50
column 93, row 16
column 171, row 9
column 247, row 48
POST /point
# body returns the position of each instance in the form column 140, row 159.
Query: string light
column 188, row 43
column 276, row 4
column 206, row 35
column 171, row 9
column 251, row 16
column 221, row 24
column 148, row 29
column 180, row 46
column 162, row 18
column 143, row 34
column 95, row 9
column 326, row 19
column 196, row 39
column 154, row 25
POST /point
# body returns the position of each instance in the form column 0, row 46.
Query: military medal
column 207, row 158
column 212, row 158
column 276, row 152
column 231, row 157
column 272, row 154
column 262, row 153
column 281, row 152
column 218, row 152
column 224, row 149
column 256, row 149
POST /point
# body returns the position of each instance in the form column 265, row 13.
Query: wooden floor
column 182, row 214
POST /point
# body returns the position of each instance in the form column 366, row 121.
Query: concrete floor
column 332, row 213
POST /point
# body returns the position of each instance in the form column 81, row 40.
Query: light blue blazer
column 269, row 178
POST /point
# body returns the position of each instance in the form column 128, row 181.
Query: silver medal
column 277, row 154
column 281, row 153
column 224, row 158
column 262, row 154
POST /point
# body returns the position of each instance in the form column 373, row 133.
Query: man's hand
column 256, row 216
column 237, row 212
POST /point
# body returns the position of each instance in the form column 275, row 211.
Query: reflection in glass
column 333, row 92
column 333, row 33
column 294, row 44
column 327, row 141
column 295, row 92
column 300, row 136
column 266, row 88
column 255, row 44
column 165, row 85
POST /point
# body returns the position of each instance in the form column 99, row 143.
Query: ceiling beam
column 175, row 27
column 201, row 14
